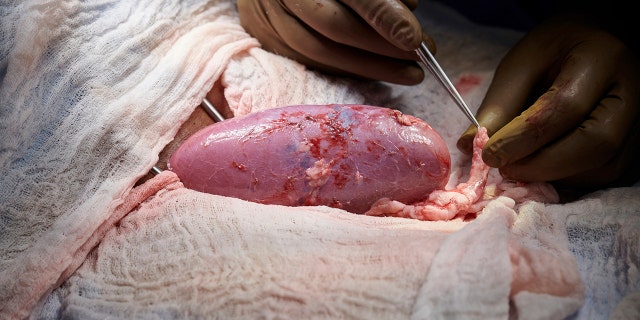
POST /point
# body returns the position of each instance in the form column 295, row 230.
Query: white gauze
column 91, row 92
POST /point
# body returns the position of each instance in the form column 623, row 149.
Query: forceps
column 435, row 69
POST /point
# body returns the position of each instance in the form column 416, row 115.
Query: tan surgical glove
column 564, row 107
column 372, row 39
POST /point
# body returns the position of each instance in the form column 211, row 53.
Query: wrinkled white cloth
column 91, row 92
column 185, row 254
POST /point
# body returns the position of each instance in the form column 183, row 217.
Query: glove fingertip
column 465, row 142
column 414, row 75
column 492, row 157
column 431, row 44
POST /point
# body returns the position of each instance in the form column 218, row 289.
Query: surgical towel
column 93, row 91
column 182, row 254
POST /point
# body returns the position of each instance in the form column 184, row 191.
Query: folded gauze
column 186, row 254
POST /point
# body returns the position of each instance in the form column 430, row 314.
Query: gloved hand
column 563, row 107
column 373, row 39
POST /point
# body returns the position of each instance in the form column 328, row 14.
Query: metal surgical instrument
column 432, row 65
column 211, row 111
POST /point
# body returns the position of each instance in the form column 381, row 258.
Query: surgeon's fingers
column 590, row 146
column 313, row 49
column 391, row 19
column 621, row 170
column 598, row 151
column 579, row 88
column 340, row 23
column 516, row 78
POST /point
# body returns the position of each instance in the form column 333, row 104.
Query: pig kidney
column 342, row 156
